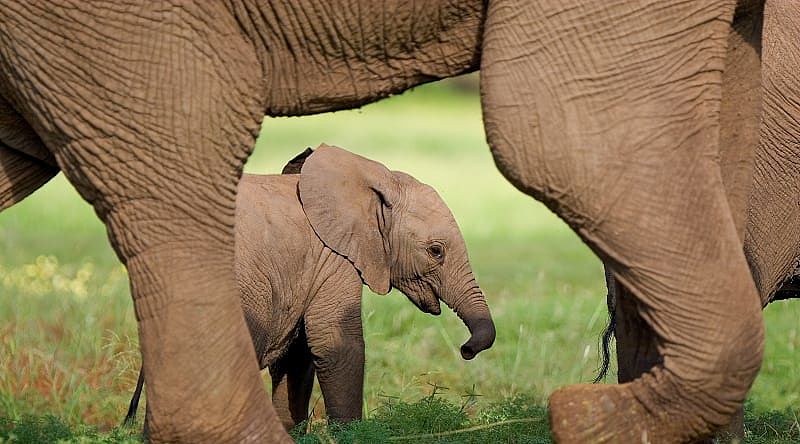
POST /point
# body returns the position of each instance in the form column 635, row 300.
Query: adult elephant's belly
column 790, row 288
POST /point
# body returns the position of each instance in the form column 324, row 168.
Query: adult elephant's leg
column 151, row 116
column 772, row 230
column 739, row 132
column 170, row 219
column 637, row 353
column 740, row 110
column 608, row 112
column 772, row 240
column 740, row 119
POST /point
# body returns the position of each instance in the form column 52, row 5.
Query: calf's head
column 397, row 232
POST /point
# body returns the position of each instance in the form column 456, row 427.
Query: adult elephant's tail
column 134, row 405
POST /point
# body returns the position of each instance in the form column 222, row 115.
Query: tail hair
column 608, row 333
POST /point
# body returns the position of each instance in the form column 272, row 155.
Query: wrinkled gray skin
column 610, row 112
column 302, row 296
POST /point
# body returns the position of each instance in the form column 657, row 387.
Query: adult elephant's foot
column 246, row 427
column 252, row 428
column 656, row 408
column 600, row 413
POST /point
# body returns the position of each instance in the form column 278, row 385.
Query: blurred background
column 68, row 341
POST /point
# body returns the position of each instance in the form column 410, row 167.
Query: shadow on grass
column 430, row 420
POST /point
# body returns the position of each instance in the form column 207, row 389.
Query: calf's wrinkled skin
column 609, row 112
column 296, row 235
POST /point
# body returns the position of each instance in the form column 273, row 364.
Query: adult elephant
column 606, row 111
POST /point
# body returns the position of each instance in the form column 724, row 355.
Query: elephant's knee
column 739, row 361
column 713, row 382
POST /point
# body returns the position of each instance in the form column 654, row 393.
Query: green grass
column 68, row 341
column 431, row 419
column 51, row 429
column 514, row 420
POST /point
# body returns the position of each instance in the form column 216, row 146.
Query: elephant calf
column 307, row 240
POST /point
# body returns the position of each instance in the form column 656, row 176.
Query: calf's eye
column 436, row 251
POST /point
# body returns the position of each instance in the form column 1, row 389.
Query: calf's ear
column 348, row 200
column 296, row 164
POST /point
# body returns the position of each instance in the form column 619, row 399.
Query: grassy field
column 68, row 340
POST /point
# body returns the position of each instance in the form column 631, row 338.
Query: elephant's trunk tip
column 483, row 334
